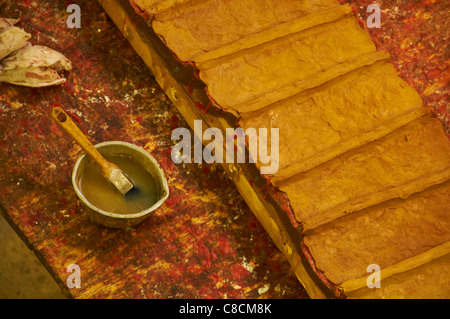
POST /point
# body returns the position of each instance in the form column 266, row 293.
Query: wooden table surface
column 203, row 243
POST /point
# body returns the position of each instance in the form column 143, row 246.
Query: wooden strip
column 213, row 58
column 403, row 266
column 312, row 81
column 312, row 124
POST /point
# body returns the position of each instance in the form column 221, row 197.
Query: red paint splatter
column 207, row 108
column 166, row 160
column 139, row 11
column 225, row 248
column 69, row 87
column 239, row 272
column 75, row 208
column 199, row 105
column 77, row 53
column 188, row 87
column 204, row 253
column 188, row 90
column 266, row 185
column 171, row 201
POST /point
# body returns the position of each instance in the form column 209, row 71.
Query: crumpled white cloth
column 24, row 64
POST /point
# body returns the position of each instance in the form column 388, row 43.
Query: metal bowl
column 115, row 220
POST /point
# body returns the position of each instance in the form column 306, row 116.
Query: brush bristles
column 120, row 181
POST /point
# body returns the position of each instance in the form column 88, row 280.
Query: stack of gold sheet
column 364, row 165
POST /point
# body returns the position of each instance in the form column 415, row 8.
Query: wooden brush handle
column 69, row 126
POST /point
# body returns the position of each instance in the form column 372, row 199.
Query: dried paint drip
column 101, row 194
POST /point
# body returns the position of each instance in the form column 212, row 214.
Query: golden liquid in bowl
column 101, row 194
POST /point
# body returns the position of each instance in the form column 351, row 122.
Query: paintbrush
column 110, row 171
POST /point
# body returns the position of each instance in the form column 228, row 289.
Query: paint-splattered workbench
column 204, row 242
column 186, row 249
